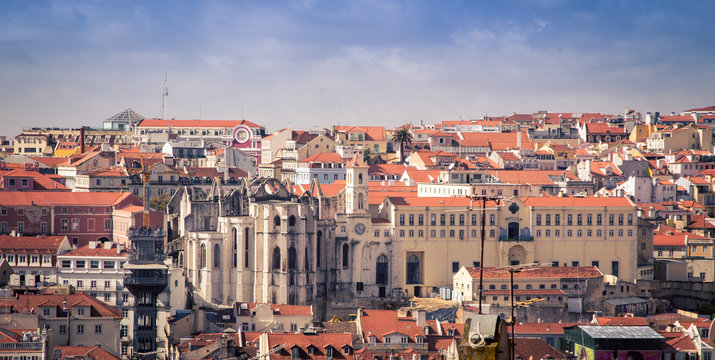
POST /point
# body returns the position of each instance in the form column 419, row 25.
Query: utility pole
column 483, row 199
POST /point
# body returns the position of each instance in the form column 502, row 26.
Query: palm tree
column 402, row 136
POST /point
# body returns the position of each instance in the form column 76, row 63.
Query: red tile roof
column 540, row 328
column 379, row 323
column 41, row 181
column 387, row 169
column 31, row 244
column 621, row 321
column 59, row 198
column 536, row 349
column 603, row 128
column 30, row 304
column 99, row 250
column 533, row 177
column 83, row 352
column 560, row 272
column 196, row 123
column 683, row 344
column 589, row 201
column 702, row 109
column 319, row 341
column 325, row 158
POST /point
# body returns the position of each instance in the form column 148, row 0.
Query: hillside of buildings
column 541, row 235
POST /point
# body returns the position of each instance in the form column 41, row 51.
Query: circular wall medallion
column 241, row 134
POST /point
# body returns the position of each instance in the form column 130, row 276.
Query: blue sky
column 311, row 62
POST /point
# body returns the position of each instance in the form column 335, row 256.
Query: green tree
column 402, row 136
column 366, row 156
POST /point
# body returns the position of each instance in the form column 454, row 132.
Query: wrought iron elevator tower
column 146, row 278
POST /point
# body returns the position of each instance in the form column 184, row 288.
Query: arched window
column 346, row 255
column 181, row 259
column 246, row 247
column 276, row 258
column 361, row 200
column 217, row 256
column 292, row 258
column 277, row 223
column 202, row 256
column 317, row 248
column 381, row 270
column 234, row 241
column 413, row 270
column 291, row 221
column 360, row 178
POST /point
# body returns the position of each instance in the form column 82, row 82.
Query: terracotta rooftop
column 621, row 321
column 31, row 244
column 536, row 349
column 30, row 303
column 560, row 272
column 59, row 198
column 83, row 352
column 589, row 201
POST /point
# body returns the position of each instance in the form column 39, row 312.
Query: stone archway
column 517, row 255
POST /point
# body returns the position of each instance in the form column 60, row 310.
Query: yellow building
column 66, row 149
column 369, row 137
column 676, row 138
column 435, row 237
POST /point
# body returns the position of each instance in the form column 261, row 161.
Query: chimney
column 92, row 244
column 518, row 139
column 81, row 140
column 107, row 245
column 421, row 318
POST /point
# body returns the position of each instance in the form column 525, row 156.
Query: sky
column 362, row 62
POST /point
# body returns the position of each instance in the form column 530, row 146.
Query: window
column 461, row 219
column 402, row 219
column 492, row 219
column 557, row 219
column 80, row 329
column 276, row 258
column 109, row 264
column 94, row 264
column 3, row 227
column 63, row 329
column 98, row 329
column 569, row 219
column 217, row 256
column 538, row 219
column 43, row 228
column 630, row 219
column 420, row 219
column 455, row 266
column 451, row 219
column 413, row 269
column 66, row 264
column 614, row 268
column 620, row 219
column 433, row 219
column 589, row 219
column 474, row 219
column 412, row 219
column 579, row 219
column 442, row 219
column 107, row 284
column 547, row 219
column 75, row 224
column 20, row 227
column 80, row 264
column 610, row 219
column 93, row 284
column 107, row 224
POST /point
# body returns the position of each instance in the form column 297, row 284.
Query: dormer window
column 294, row 352
column 311, row 350
column 372, row 340
column 328, row 352
column 387, row 340
column 346, row 350
column 420, row 340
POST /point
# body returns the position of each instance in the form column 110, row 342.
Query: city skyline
column 382, row 63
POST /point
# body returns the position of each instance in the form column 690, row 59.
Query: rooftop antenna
column 164, row 94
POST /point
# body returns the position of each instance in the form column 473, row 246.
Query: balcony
column 156, row 280
column 515, row 238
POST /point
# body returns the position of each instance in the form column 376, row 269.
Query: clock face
column 359, row 229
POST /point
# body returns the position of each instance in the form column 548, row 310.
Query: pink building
column 132, row 216
column 81, row 216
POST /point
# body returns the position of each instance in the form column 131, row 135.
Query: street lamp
column 483, row 199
